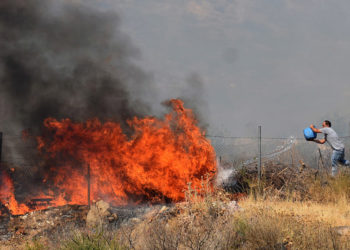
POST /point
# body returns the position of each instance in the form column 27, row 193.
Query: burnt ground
column 55, row 223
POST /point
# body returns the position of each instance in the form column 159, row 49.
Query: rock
column 135, row 220
column 98, row 214
column 233, row 206
column 163, row 209
column 102, row 206
column 343, row 230
column 112, row 217
column 24, row 217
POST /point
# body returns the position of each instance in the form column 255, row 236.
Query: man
column 333, row 140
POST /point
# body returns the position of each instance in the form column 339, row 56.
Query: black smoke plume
column 64, row 60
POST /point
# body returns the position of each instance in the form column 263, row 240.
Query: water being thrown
column 225, row 174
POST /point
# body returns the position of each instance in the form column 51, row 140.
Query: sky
column 281, row 64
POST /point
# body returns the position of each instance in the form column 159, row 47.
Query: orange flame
column 7, row 197
column 154, row 164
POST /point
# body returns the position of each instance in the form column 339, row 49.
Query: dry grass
column 294, row 214
column 270, row 218
column 298, row 225
column 205, row 221
column 280, row 182
column 334, row 214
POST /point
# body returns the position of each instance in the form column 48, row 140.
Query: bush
column 35, row 245
column 264, row 227
column 98, row 240
column 282, row 212
column 331, row 189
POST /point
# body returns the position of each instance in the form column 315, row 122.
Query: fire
column 154, row 163
column 7, row 197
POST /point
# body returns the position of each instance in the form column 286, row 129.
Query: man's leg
column 334, row 163
column 343, row 161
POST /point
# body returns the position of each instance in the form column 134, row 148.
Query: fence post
column 321, row 158
column 0, row 148
column 259, row 163
column 88, row 182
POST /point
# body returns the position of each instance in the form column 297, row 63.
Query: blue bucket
column 309, row 134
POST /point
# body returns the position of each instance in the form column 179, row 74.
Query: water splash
column 287, row 145
column 224, row 174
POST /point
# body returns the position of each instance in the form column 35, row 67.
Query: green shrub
column 92, row 241
column 35, row 245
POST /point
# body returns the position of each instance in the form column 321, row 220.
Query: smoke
column 193, row 94
column 64, row 60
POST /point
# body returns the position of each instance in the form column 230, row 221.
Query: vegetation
column 92, row 240
column 279, row 213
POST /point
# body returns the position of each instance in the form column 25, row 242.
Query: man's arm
column 315, row 129
column 322, row 141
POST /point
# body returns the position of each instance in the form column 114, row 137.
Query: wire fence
column 230, row 151
column 238, row 151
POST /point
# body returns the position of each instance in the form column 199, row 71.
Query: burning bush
column 153, row 164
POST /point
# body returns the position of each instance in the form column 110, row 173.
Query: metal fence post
column 0, row 148
column 88, row 182
column 259, row 163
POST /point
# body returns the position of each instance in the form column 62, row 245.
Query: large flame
column 155, row 163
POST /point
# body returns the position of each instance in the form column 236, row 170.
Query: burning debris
column 39, row 202
column 154, row 164
column 67, row 74
column 63, row 60
column 63, row 81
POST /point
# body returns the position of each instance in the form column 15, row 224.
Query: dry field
column 311, row 211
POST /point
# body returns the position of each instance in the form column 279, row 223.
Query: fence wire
column 232, row 151
column 238, row 151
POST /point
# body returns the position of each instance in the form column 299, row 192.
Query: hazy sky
column 282, row 64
